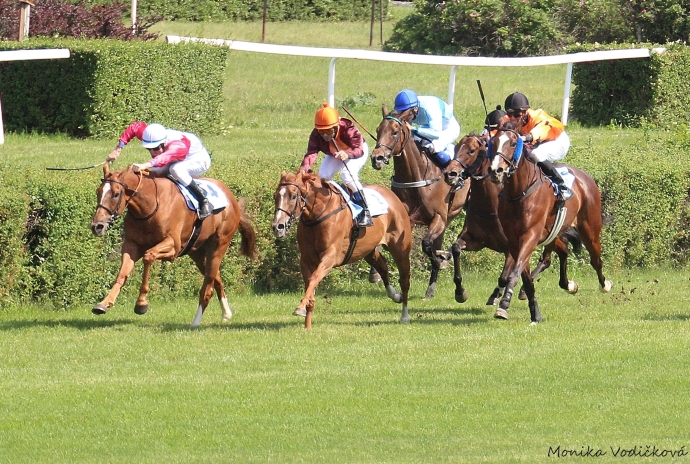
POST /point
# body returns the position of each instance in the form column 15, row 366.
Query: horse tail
column 248, row 244
column 572, row 236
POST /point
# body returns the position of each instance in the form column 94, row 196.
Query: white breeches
column 193, row 165
column 552, row 151
column 350, row 176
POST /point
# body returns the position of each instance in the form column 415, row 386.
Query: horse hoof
column 301, row 312
column 99, row 309
column 141, row 309
column 522, row 295
column 461, row 297
column 501, row 314
column 608, row 285
column 374, row 276
column 573, row 287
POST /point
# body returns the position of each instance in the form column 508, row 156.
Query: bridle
column 116, row 213
column 396, row 141
column 293, row 215
column 512, row 161
column 296, row 212
column 468, row 169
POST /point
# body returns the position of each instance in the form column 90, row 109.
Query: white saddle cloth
column 215, row 195
column 376, row 203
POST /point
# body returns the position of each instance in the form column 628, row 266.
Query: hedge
column 48, row 253
column 106, row 84
column 633, row 92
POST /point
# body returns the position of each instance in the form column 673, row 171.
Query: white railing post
column 566, row 94
column 451, row 87
column 331, row 83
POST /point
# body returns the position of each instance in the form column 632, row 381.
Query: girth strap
column 354, row 236
column 196, row 230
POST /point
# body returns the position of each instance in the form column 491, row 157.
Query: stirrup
column 364, row 219
column 204, row 210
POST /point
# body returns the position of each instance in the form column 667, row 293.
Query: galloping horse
column 158, row 225
column 327, row 239
column 482, row 229
column 416, row 182
column 528, row 212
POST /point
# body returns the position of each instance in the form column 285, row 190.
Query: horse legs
column 378, row 262
column 312, row 278
column 500, row 289
column 130, row 254
column 590, row 238
column 431, row 242
column 209, row 265
column 164, row 249
column 460, row 292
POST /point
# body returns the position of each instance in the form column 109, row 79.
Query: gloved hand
column 527, row 138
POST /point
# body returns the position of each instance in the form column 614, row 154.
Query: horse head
column 470, row 158
column 112, row 197
column 505, row 150
column 392, row 135
column 290, row 200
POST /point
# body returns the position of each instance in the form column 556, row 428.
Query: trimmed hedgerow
column 106, row 84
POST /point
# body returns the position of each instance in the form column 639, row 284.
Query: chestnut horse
column 158, row 225
column 482, row 229
column 527, row 211
column 325, row 235
column 416, row 182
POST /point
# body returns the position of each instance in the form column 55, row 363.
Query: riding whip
column 481, row 92
column 77, row 169
column 359, row 123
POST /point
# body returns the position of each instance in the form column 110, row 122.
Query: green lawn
column 606, row 371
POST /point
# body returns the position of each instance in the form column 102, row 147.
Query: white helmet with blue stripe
column 154, row 135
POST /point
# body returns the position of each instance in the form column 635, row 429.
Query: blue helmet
column 405, row 100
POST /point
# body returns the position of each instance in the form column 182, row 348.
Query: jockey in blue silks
column 434, row 124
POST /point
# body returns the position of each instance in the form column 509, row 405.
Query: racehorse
column 327, row 238
column 482, row 229
column 528, row 213
column 416, row 182
column 159, row 225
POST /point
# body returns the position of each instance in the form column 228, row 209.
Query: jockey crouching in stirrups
column 175, row 153
column 346, row 153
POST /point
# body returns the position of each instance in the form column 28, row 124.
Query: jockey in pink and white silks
column 434, row 124
column 176, row 153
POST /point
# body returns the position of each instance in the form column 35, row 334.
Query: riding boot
column 204, row 206
column 364, row 218
column 551, row 172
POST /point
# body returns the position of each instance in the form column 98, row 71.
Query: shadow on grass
column 79, row 324
column 666, row 317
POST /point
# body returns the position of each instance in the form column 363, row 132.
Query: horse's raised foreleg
column 312, row 278
column 130, row 254
column 165, row 249
column 432, row 242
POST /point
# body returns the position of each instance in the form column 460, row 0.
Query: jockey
column 345, row 148
column 544, row 133
column 175, row 153
column 434, row 124
column 494, row 120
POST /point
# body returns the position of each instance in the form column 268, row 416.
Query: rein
column 513, row 165
column 391, row 152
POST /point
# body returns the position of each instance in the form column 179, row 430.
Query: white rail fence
column 21, row 55
column 452, row 61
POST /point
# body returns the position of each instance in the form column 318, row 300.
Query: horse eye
column 116, row 194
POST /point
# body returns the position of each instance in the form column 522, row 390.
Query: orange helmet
column 326, row 117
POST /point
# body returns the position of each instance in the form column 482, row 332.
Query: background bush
column 106, row 84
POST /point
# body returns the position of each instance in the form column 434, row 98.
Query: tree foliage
column 536, row 27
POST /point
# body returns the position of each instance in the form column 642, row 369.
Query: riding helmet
column 493, row 120
column 154, row 135
column 405, row 100
column 326, row 117
column 516, row 102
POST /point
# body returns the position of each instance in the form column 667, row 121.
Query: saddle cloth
column 215, row 195
column 377, row 204
column 568, row 179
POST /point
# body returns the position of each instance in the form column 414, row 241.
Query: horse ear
column 384, row 110
column 106, row 169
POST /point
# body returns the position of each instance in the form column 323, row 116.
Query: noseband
column 514, row 160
